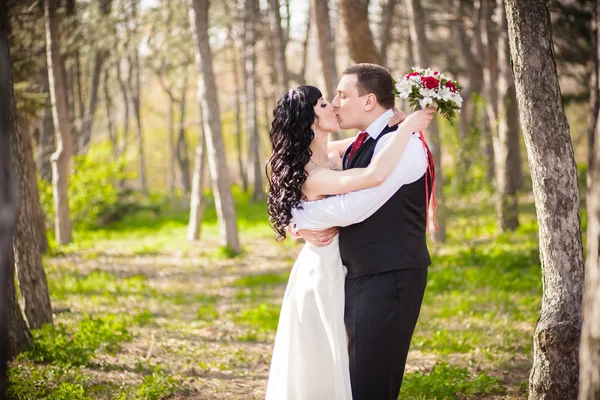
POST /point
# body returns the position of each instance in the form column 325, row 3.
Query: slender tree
column 420, row 51
column 211, row 121
column 361, row 45
column 554, row 175
column 61, row 159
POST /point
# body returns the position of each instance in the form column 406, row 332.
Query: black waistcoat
column 394, row 237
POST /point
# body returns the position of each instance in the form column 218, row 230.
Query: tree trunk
column 280, row 45
column 355, row 14
column 171, row 158
column 207, row 94
column 387, row 20
column 594, row 92
column 26, row 241
column 134, row 89
column 489, row 39
column 46, row 132
column 326, row 46
column 88, row 122
column 110, row 123
column 554, row 176
column 61, row 159
column 254, row 170
column 506, row 135
column 420, row 50
column 13, row 331
column 589, row 375
column 301, row 79
column 125, row 96
column 182, row 145
column 197, row 197
column 237, row 100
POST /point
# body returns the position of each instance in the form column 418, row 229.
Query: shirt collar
column 377, row 126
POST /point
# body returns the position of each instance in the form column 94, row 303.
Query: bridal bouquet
column 424, row 88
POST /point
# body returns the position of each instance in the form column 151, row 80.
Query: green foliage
column 59, row 345
column 250, row 281
column 448, row 382
column 29, row 381
column 96, row 282
column 263, row 317
column 155, row 386
column 93, row 187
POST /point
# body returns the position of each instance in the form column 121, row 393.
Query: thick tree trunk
column 589, row 354
column 361, row 45
column 326, row 46
column 207, row 94
column 182, row 144
column 61, row 159
column 254, row 167
column 283, row 78
column 554, row 175
column 26, row 241
column 387, row 21
column 197, row 197
column 420, row 50
column 46, row 146
column 13, row 331
column 506, row 135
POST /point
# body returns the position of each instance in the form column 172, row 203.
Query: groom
column 381, row 236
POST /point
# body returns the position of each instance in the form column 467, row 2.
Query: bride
column 310, row 355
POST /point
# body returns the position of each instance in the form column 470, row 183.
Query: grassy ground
column 143, row 313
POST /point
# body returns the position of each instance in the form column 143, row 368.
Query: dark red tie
column 360, row 139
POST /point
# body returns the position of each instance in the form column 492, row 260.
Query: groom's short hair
column 373, row 78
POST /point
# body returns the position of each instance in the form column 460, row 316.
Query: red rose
column 451, row 86
column 412, row 74
column 429, row 82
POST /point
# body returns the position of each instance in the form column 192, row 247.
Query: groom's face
column 348, row 104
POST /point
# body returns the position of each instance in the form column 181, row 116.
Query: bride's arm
column 326, row 182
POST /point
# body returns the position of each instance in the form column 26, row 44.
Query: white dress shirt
column 354, row 207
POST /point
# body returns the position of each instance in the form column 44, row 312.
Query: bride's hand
column 419, row 120
column 398, row 117
column 319, row 238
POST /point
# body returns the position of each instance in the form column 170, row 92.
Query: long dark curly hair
column 291, row 135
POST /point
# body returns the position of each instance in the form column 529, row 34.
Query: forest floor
column 143, row 313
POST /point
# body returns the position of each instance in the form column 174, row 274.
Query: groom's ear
column 370, row 102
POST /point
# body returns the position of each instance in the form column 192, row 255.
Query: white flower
column 457, row 99
column 425, row 102
column 445, row 93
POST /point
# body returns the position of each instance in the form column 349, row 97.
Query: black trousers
column 381, row 314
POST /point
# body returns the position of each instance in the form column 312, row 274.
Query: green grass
column 152, row 315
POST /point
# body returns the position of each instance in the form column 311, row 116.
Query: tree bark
column 197, row 197
column 594, row 93
column 207, row 94
column 386, row 30
column 326, row 46
column 283, row 78
column 125, row 99
column 88, row 122
column 506, row 135
column 61, row 159
column 13, row 331
column 26, row 241
column 46, row 132
column 237, row 99
column 489, row 43
column 554, row 175
column 361, row 45
column 254, row 170
column 589, row 353
column 171, row 158
column 182, row 144
column 110, row 123
column 420, row 50
column 134, row 89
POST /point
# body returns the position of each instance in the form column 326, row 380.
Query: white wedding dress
column 310, row 356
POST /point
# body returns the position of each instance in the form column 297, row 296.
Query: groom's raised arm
column 354, row 207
